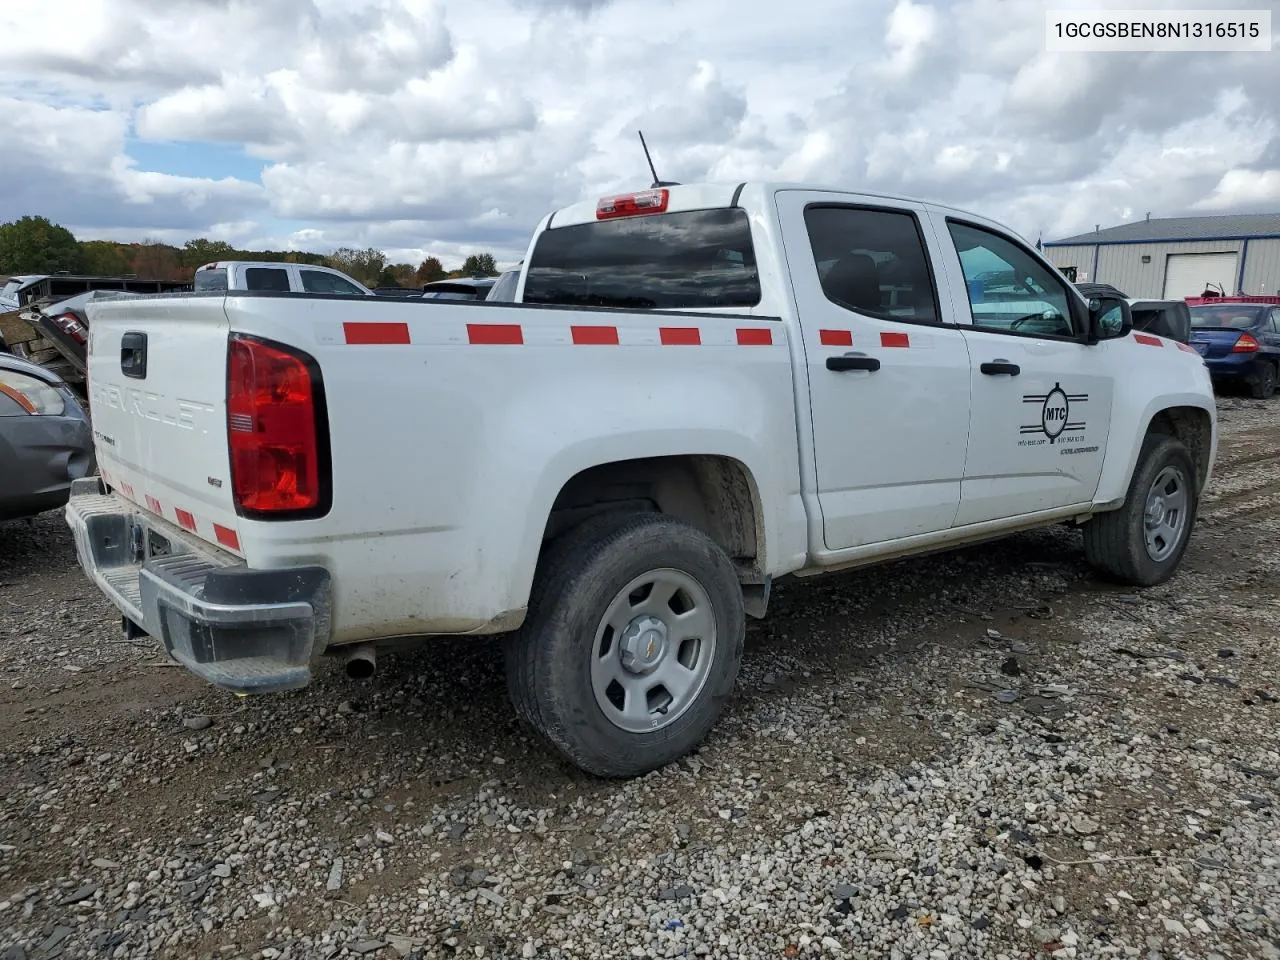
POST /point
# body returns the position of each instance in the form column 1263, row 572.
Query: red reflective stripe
column 1147, row 340
column 371, row 333
column 755, row 337
column 835, row 338
column 185, row 520
column 154, row 505
column 494, row 333
column 595, row 336
column 128, row 490
column 891, row 339
column 1183, row 346
column 226, row 536
column 680, row 336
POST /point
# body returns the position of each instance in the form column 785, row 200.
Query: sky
column 448, row 127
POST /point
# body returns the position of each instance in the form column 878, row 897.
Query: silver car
column 45, row 439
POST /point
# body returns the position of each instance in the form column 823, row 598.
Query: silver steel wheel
column 653, row 650
column 1165, row 517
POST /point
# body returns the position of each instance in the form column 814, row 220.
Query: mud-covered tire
column 580, row 580
column 1263, row 387
column 1116, row 542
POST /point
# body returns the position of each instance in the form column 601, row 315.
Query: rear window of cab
column 692, row 259
column 215, row 279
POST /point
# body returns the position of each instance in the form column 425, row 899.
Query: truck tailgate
column 157, row 385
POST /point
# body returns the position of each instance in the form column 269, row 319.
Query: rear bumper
column 250, row 631
column 1235, row 367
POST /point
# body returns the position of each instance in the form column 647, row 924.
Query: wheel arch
column 717, row 494
column 1194, row 426
column 1191, row 417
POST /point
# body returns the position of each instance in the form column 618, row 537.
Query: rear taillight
column 70, row 324
column 1246, row 344
column 276, row 430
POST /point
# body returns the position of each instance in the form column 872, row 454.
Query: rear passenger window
column 691, row 259
column 266, row 278
column 873, row 262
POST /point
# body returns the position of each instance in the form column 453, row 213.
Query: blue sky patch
column 193, row 158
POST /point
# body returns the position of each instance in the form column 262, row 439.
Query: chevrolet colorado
column 700, row 389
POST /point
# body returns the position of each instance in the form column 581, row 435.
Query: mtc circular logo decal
column 1053, row 414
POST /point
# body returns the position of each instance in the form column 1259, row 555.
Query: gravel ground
column 984, row 754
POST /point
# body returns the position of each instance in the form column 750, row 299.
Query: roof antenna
column 656, row 181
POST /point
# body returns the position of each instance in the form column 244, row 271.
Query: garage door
column 1188, row 274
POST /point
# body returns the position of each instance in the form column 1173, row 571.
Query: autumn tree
column 429, row 271
column 153, row 260
column 397, row 275
column 480, row 264
column 36, row 245
column 105, row 258
column 199, row 251
column 364, row 265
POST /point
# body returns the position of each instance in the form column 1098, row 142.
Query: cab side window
column 266, row 278
column 1010, row 291
column 873, row 262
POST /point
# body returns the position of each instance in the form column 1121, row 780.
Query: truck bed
column 450, row 428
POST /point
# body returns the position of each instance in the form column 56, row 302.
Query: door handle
column 996, row 367
column 853, row 361
column 133, row 355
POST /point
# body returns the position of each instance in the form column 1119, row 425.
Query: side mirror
column 1109, row 319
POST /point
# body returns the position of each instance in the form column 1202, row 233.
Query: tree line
column 35, row 245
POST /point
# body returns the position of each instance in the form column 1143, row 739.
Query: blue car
column 1239, row 339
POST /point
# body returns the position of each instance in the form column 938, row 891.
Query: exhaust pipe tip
column 362, row 662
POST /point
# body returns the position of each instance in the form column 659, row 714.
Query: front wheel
column 631, row 645
column 1142, row 543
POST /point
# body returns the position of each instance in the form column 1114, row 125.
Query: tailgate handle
column 133, row 355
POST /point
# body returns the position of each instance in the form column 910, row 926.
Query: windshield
column 10, row 290
column 1232, row 316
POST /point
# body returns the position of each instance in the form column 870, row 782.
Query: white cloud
column 1240, row 190
column 911, row 30
column 68, row 163
column 447, row 126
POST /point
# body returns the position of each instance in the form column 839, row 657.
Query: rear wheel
column 1142, row 542
column 1263, row 386
column 631, row 645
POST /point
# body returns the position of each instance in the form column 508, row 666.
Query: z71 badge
column 1055, row 415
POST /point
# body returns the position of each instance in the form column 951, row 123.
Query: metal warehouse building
column 1178, row 257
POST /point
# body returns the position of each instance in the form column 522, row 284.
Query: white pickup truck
column 700, row 389
column 263, row 276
